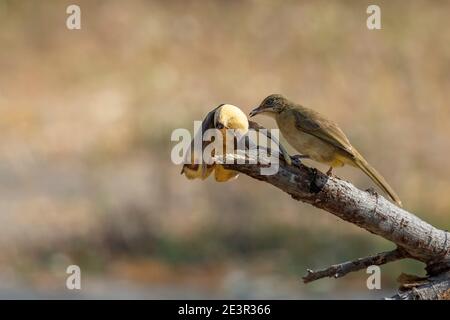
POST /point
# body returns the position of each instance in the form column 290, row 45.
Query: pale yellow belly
column 315, row 148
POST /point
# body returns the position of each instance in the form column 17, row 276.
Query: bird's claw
column 330, row 172
column 372, row 191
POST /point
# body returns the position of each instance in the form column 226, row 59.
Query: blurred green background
column 86, row 117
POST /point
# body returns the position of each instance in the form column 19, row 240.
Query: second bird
column 321, row 139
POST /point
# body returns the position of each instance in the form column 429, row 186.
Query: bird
column 223, row 117
column 319, row 138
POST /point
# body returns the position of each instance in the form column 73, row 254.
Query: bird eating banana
column 313, row 135
column 225, row 116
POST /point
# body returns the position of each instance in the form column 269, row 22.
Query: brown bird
column 225, row 116
column 319, row 138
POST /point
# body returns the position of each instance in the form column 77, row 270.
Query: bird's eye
column 269, row 102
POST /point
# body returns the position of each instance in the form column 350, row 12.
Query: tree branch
column 436, row 289
column 340, row 270
column 414, row 237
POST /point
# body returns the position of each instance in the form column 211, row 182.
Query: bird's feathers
column 377, row 178
column 313, row 123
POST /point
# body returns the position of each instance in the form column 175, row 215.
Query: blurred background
column 86, row 117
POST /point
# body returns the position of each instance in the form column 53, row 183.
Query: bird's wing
column 313, row 123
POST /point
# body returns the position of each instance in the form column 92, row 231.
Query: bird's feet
column 372, row 191
column 330, row 172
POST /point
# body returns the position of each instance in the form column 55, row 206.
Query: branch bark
column 413, row 237
column 437, row 288
column 340, row 270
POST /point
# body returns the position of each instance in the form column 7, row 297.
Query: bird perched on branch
column 224, row 117
column 321, row 139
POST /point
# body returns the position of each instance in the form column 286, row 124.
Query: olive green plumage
column 311, row 134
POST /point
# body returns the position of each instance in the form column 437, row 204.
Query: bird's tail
column 377, row 178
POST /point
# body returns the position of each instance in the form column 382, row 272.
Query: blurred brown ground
column 86, row 118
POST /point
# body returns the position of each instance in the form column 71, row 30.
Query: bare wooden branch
column 340, row 270
column 436, row 289
column 415, row 238
column 365, row 209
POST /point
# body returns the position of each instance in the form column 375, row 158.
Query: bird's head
column 273, row 104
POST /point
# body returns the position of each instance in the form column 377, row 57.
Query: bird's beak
column 254, row 112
